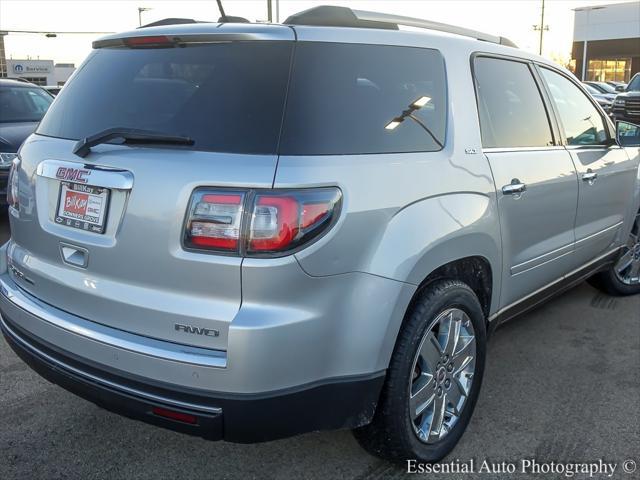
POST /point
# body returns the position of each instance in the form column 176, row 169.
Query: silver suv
column 249, row 231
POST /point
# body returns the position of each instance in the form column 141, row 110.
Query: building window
column 609, row 70
column 42, row 81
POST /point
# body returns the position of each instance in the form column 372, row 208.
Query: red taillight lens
column 277, row 221
column 12, row 185
column 274, row 223
column 214, row 221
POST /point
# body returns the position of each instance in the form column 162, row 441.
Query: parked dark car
column 618, row 86
column 604, row 99
column 53, row 89
column 603, row 87
column 626, row 106
column 22, row 106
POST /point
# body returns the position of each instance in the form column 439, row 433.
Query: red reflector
column 173, row 415
column 151, row 40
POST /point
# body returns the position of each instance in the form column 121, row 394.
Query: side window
column 581, row 120
column 512, row 113
column 362, row 99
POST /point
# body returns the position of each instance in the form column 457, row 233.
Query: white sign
column 30, row 67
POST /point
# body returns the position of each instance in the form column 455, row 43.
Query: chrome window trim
column 521, row 149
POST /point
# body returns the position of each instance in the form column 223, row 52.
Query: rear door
column 607, row 176
column 535, row 178
column 101, row 237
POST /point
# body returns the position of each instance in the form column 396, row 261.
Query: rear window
column 23, row 104
column 227, row 97
column 230, row 97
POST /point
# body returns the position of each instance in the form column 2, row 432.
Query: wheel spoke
column 420, row 400
column 625, row 261
column 430, row 352
column 435, row 427
column 452, row 334
column 635, row 270
column 461, row 363
column 453, row 397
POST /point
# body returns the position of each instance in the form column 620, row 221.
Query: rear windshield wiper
column 83, row 146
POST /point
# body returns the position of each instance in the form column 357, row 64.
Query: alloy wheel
column 443, row 371
column 627, row 268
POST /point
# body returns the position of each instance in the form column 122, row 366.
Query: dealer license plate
column 83, row 206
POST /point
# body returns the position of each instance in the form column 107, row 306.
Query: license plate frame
column 80, row 201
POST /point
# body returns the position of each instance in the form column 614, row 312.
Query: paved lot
column 562, row 384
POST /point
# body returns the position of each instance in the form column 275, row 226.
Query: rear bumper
column 347, row 403
column 109, row 368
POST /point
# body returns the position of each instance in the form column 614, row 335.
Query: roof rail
column 170, row 21
column 346, row 17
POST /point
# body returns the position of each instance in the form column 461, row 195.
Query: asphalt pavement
column 562, row 384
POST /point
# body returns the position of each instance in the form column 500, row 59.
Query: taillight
column 215, row 220
column 273, row 222
column 12, row 184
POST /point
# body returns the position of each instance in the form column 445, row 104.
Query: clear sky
column 510, row 18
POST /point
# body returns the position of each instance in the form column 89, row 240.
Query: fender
column 435, row 231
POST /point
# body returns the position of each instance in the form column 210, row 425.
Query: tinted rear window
column 230, row 97
column 342, row 96
column 227, row 97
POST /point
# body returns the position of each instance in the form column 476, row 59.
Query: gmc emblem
column 209, row 332
column 72, row 174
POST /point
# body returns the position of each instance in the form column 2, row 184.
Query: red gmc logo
column 72, row 174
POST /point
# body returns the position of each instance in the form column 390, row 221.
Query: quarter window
column 582, row 122
column 512, row 113
column 357, row 99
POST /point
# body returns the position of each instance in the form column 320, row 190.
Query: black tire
column 391, row 434
column 608, row 281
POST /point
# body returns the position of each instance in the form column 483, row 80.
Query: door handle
column 590, row 176
column 514, row 188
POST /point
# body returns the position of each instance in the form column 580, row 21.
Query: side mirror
column 627, row 134
column 619, row 88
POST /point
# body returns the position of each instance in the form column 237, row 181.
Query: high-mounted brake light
column 148, row 41
column 274, row 221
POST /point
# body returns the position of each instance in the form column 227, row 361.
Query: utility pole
column 140, row 10
column 269, row 11
column 542, row 28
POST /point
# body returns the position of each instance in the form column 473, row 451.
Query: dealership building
column 608, row 36
column 40, row 72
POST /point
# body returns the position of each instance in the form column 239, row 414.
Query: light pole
column 140, row 10
column 586, row 41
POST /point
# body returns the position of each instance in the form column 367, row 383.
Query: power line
column 44, row 32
